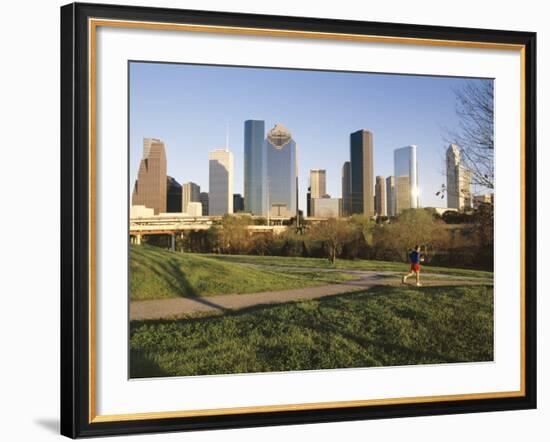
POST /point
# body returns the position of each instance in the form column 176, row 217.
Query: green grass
column 382, row 327
column 157, row 273
column 343, row 264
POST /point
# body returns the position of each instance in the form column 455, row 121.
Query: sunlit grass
column 384, row 326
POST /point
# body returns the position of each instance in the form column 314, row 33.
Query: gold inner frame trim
column 93, row 24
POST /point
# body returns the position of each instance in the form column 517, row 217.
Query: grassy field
column 156, row 273
column 382, row 327
column 359, row 264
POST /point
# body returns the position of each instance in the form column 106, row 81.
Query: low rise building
column 326, row 207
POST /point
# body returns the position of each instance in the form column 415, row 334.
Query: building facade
column 190, row 193
column 346, row 189
column 194, row 208
column 282, row 172
column 406, row 179
column 238, row 203
column 380, row 196
column 318, row 182
column 459, row 195
column 150, row 188
column 173, row 195
column 361, row 173
column 220, row 182
column 255, row 167
column 308, row 202
column 402, row 194
column 326, row 207
column 488, row 198
column 203, row 197
column 390, row 195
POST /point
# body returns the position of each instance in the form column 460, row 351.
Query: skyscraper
column 380, row 196
column 238, row 203
column 390, row 195
column 150, row 188
column 190, row 193
column 406, row 178
column 173, row 195
column 220, row 192
column 255, row 167
column 318, row 182
column 282, row 172
column 458, row 181
column 362, row 175
column 204, row 203
column 346, row 189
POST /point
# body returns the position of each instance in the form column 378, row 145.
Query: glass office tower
column 406, row 178
column 255, row 167
column 282, row 172
column 173, row 195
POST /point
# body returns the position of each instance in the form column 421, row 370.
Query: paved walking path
column 174, row 307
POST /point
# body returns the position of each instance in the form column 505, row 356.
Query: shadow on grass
column 179, row 283
column 329, row 323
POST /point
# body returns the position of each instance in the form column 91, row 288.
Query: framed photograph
column 274, row 220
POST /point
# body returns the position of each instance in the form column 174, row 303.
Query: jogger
column 414, row 258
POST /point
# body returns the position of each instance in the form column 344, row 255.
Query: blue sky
column 191, row 107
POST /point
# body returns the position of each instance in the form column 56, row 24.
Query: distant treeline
column 454, row 239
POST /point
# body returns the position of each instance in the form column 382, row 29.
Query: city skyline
column 325, row 145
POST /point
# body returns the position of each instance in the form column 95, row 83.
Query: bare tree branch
column 475, row 132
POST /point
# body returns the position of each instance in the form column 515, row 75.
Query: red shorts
column 415, row 267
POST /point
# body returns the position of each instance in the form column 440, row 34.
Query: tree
column 365, row 225
column 261, row 243
column 412, row 227
column 233, row 235
column 454, row 217
column 475, row 132
column 334, row 233
column 484, row 223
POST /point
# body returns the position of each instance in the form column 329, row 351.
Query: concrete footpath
column 174, row 307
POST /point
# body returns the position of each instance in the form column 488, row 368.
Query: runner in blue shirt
column 415, row 258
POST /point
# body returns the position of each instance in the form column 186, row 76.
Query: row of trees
column 469, row 244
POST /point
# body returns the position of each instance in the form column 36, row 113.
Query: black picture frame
column 75, row 220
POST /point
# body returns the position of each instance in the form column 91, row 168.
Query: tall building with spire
column 255, row 167
column 361, row 172
column 282, row 172
column 150, row 188
column 406, row 179
column 459, row 195
column 220, row 182
column 380, row 196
